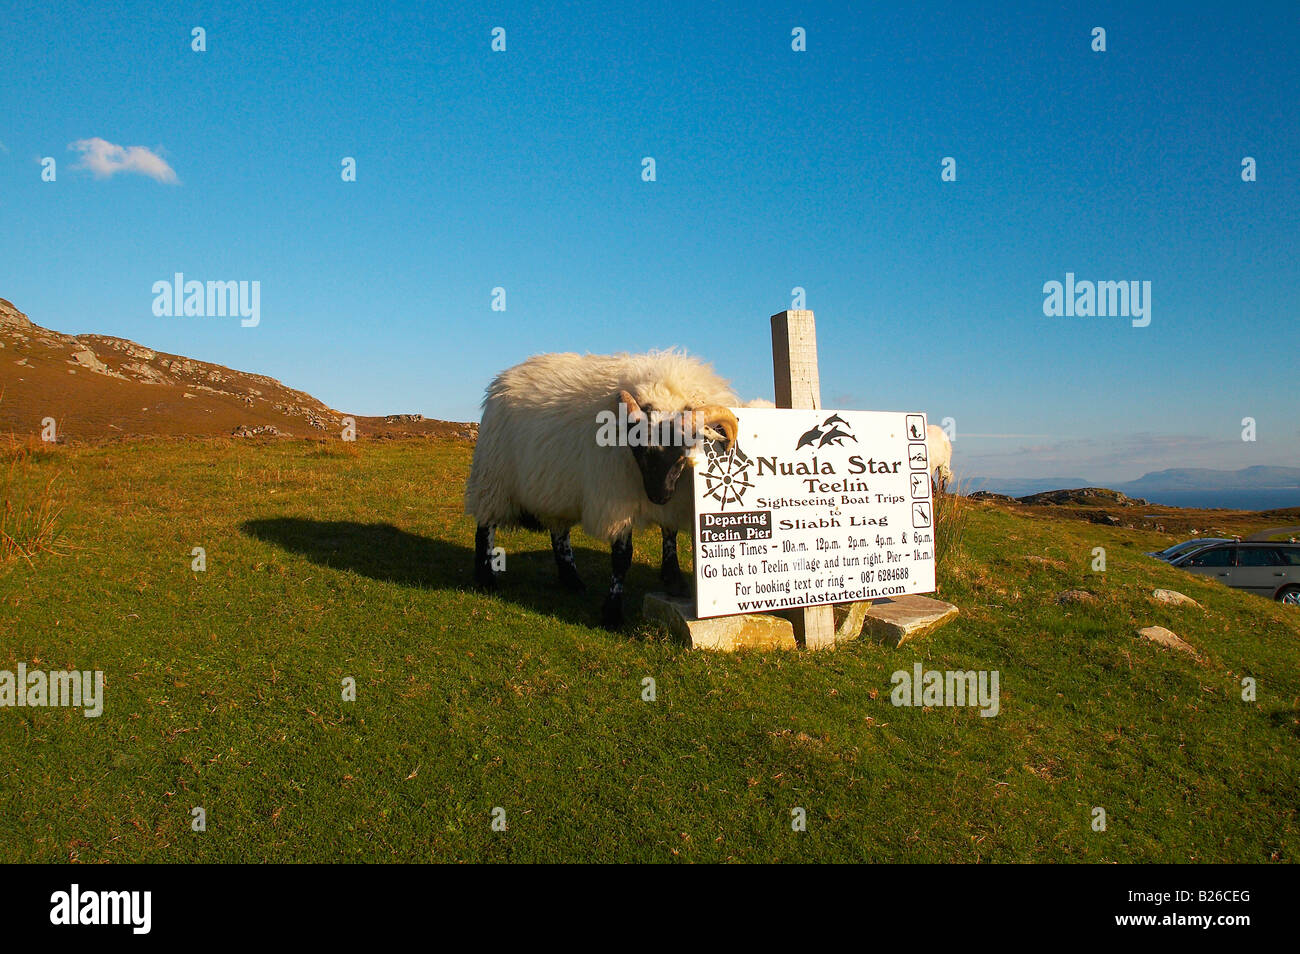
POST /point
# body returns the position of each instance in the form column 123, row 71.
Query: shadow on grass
column 1287, row 719
column 384, row 552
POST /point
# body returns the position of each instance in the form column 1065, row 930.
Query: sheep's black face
column 659, row 444
column 661, row 468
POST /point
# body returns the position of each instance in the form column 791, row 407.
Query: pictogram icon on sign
column 918, row 458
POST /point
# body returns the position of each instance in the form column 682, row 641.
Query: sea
column 1226, row 499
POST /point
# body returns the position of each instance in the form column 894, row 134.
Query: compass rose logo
column 726, row 479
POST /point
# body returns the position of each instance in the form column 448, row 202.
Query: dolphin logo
column 836, row 436
column 831, row 431
column 809, row 437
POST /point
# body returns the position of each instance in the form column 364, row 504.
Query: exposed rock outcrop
column 1083, row 496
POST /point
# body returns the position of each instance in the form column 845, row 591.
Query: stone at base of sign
column 895, row 621
column 749, row 631
column 850, row 627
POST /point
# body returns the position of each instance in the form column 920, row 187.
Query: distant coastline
column 1266, row 498
column 1251, row 488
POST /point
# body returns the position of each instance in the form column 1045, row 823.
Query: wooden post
column 794, row 367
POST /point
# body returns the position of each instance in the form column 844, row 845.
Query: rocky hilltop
column 97, row 386
column 1083, row 497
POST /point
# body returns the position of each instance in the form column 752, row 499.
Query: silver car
column 1265, row 567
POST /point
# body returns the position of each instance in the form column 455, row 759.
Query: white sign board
column 812, row 507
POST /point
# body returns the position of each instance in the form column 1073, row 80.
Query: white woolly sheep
column 940, row 450
column 596, row 440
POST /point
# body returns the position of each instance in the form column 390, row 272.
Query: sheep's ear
column 629, row 402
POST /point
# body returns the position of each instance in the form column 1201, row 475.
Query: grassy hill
column 98, row 387
column 327, row 561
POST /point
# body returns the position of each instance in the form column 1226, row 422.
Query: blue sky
column 775, row 169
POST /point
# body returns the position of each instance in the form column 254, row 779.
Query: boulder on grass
column 1173, row 598
column 895, row 621
column 1069, row 597
column 1167, row 638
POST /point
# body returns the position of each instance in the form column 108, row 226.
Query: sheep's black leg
column 670, row 573
column 563, row 551
column 612, row 614
column 484, row 544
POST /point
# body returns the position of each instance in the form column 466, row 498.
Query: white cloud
column 105, row 159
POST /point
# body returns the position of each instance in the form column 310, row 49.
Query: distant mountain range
column 1251, row 488
column 1202, row 478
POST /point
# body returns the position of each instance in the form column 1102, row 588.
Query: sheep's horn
column 717, row 418
column 629, row 402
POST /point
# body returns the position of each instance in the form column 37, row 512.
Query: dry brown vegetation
column 30, row 518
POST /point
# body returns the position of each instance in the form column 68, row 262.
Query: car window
column 1216, row 556
column 1259, row 556
column 1291, row 555
column 1179, row 549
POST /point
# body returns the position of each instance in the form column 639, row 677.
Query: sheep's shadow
column 384, row 552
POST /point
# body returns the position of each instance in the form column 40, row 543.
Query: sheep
column 939, row 449
column 596, row 440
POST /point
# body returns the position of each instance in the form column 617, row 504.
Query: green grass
column 224, row 691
